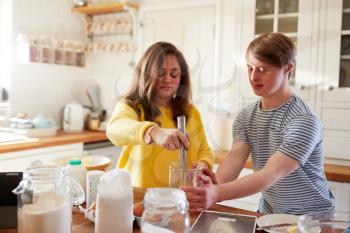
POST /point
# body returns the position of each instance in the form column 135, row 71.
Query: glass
column 344, row 79
column 264, row 7
column 45, row 197
column 288, row 6
column 176, row 177
column 325, row 221
column 166, row 210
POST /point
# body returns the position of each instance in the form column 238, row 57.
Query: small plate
column 271, row 219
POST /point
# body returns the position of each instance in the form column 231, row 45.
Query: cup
column 179, row 176
column 41, row 122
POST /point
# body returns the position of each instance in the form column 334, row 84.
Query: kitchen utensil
column 45, row 198
column 90, row 162
column 271, row 220
column 176, row 175
column 276, row 226
column 324, row 221
column 73, row 117
column 182, row 166
column 166, row 210
column 94, row 96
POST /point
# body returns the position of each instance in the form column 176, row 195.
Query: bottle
column 77, row 171
column 166, row 210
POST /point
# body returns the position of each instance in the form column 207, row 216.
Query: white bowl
column 90, row 162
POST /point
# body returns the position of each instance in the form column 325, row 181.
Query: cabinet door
column 333, row 95
column 192, row 30
column 341, row 192
column 20, row 160
column 334, row 54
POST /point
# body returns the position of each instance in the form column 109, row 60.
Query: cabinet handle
column 301, row 87
column 330, row 88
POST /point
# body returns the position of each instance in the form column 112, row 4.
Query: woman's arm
column 125, row 128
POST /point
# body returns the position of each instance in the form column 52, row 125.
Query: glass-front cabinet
column 344, row 70
column 320, row 30
column 277, row 16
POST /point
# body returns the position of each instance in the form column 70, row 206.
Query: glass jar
column 165, row 208
column 45, row 198
column 179, row 176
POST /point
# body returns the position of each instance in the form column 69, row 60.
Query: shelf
column 269, row 16
column 345, row 57
column 346, row 10
column 105, row 8
column 288, row 15
column 345, row 32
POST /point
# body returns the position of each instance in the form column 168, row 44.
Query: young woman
column 144, row 122
column 283, row 137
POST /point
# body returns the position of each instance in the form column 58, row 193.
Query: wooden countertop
column 61, row 138
column 333, row 172
column 82, row 225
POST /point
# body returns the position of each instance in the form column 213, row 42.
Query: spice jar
column 45, row 198
column 165, row 209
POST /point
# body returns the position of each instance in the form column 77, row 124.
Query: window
column 5, row 55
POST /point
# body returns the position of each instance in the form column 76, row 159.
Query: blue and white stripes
column 295, row 131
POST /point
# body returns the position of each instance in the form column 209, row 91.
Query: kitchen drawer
column 19, row 160
column 336, row 118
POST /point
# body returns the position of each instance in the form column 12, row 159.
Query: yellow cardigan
column 148, row 164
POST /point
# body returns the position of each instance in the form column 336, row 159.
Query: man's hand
column 202, row 197
column 170, row 139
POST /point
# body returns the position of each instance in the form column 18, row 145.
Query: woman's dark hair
column 142, row 91
column 273, row 48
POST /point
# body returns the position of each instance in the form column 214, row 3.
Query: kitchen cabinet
column 320, row 30
column 341, row 192
column 19, row 160
column 277, row 16
column 109, row 27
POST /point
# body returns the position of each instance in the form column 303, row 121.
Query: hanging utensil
column 181, row 125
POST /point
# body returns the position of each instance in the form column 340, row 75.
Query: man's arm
column 233, row 164
column 277, row 167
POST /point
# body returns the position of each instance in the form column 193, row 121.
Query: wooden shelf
column 105, row 8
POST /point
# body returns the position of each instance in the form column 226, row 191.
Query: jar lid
column 165, row 198
column 74, row 162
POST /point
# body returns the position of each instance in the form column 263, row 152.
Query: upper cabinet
column 289, row 17
column 109, row 27
column 320, row 30
column 277, row 16
column 344, row 73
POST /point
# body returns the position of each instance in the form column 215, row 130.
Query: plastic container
column 166, row 210
column 45, row 198
column 77, row 171
column 114, row 208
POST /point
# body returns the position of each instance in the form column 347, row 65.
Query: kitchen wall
column 46, row 88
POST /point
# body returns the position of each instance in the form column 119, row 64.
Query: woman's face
column 266, row 80
column 168, row 80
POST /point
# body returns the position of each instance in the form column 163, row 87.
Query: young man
column 283, row 137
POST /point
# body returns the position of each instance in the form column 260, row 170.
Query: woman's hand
column 170, row 139
column 202, row 197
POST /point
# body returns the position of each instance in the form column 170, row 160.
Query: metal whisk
column 184, row 179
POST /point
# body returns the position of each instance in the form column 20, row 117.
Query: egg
column 138, row 209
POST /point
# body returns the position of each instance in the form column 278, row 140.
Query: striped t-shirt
column 295, row 131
